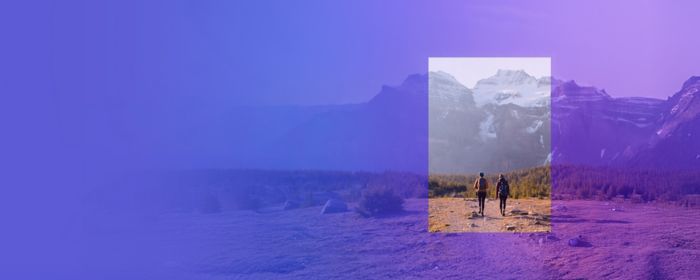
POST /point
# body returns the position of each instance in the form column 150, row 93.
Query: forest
column 252, row 189
column 534, row 182
column 579, row 182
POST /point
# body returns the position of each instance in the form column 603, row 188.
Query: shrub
column 377, row 201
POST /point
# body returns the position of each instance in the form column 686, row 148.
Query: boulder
column 290, row 204
column 578, row 241
column 574, row 242
column 334, row 206
column 552, row 237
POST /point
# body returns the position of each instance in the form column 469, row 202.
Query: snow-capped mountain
column 684, row 106
column 446, row 91
column 582, row 125
column 632, row 131
column 591, row 127
column 513, row 87
column 676, row 141
column 587, row 126
column 502, row 124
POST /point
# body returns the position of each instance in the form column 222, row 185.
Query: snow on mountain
column 446, row 92
column 503, row 127
column 513, row 87
column 587, row 125
column 582, row 125
column 486, row 129
column 684, row 106
column 587, row 121
column 676, row 141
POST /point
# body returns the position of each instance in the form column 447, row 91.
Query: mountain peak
column 443, row 76
column 582, row 93
column 694, row 80
column 510, row 72
column 512, row 86
column 507, row 77
column 413, row 84
column 414, row 79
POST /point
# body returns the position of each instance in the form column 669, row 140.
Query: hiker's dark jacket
column 502, row 188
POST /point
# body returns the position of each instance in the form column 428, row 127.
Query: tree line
column 533, row 182
column 579, row 182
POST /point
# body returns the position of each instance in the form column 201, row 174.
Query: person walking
column 481, row 185
column 502, row 192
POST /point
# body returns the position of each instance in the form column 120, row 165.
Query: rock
column 578, row 241
column 290, row 204
column 473, row 225
column 510, row 227
column 473, row 215
column 573, row 242
column 334, row 206
column 516, row 211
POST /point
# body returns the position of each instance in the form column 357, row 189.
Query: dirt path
column 303, row 244
column 455, row 215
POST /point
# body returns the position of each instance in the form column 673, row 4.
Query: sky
column 219, row 54
column 242, row 52
column 469, row 70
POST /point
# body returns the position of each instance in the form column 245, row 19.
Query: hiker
column 481, row 185
column 502, row 192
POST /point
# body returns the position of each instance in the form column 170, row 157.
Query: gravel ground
column 632, row 242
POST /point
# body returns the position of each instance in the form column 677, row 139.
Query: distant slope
column 390, row 132
column 502, row 124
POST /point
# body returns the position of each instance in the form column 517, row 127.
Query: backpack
column 503, row 188
column 482, row 184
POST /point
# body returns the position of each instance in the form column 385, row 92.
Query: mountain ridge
column 585, row 125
